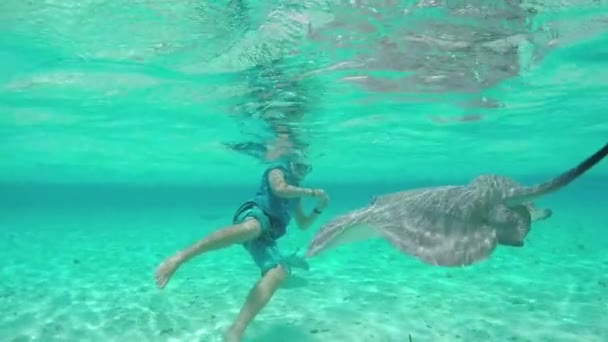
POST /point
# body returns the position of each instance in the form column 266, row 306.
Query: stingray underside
column 512, row 224
column 443, row 226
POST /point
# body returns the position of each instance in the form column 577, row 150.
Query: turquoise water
column 114, row 134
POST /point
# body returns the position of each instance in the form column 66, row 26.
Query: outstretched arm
column 280, row 187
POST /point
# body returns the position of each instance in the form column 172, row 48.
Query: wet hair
column 299, row 161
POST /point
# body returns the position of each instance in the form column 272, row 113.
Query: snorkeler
column 257, row 224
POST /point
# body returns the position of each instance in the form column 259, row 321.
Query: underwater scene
column 304, row 171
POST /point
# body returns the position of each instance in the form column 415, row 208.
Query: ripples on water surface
column 152, row 90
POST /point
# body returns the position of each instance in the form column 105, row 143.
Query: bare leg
column 222, row 238
column 258, row 297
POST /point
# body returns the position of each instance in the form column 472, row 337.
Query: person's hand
column 318, row 193
column 323, row 199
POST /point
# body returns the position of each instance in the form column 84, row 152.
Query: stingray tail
column 529, row 194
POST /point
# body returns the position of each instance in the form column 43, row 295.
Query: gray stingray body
column 452, row 225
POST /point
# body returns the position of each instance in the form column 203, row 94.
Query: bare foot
column 165, row 270
column 231, row 336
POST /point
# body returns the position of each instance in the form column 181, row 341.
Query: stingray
column 451, row 225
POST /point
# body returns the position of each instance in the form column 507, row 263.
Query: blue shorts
column 263, row 249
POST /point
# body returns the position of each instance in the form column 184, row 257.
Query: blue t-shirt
column 278, row 209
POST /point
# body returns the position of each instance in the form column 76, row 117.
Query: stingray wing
column 441, row 226
column 349, row 227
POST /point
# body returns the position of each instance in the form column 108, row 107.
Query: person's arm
column 279, row 186
column 304, row 221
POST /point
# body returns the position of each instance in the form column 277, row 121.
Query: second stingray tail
column 529, row 194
